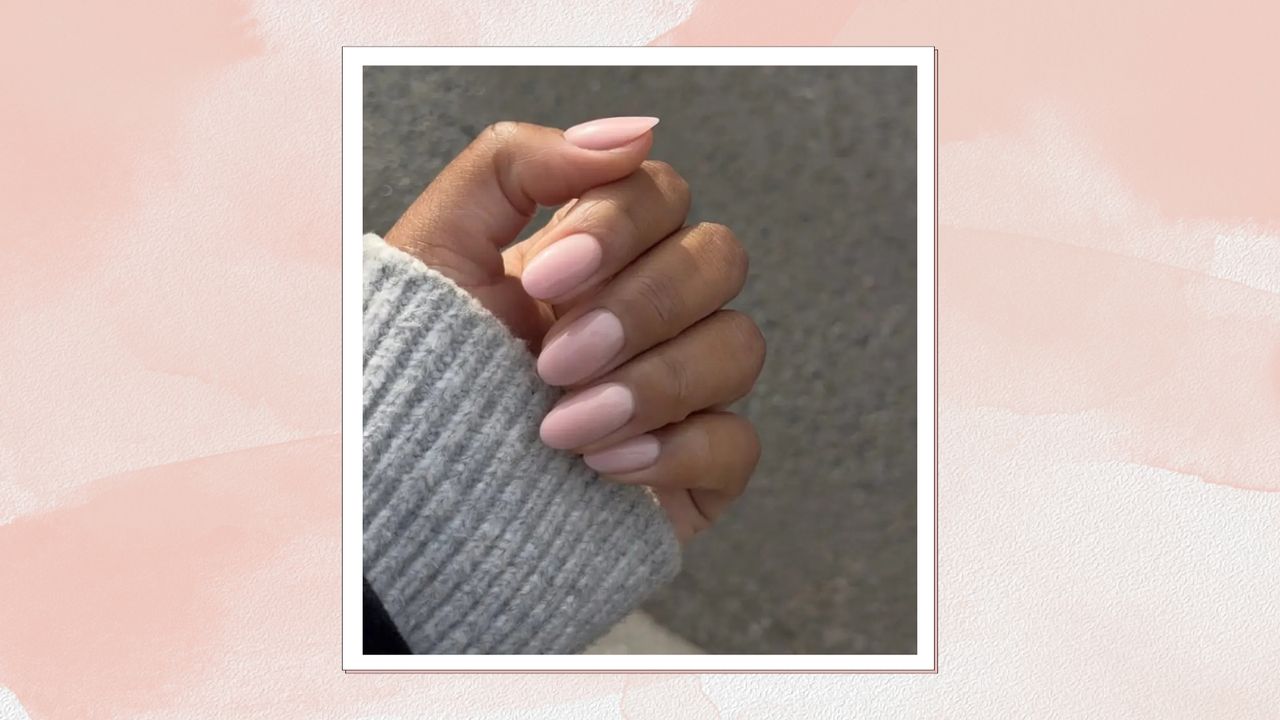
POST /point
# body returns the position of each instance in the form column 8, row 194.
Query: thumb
column 479, row 203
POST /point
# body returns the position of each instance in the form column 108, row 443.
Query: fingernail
column 627, row 456
column 587, row 416
column 609, row 133
column 562, row 266
column 583, row 348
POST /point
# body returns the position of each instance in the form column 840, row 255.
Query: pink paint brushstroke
column 91, row 91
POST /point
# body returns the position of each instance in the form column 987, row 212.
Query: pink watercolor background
column 1109, row 342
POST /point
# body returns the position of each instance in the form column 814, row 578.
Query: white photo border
column 354, row 60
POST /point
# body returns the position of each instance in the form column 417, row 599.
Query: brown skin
column 685, row 358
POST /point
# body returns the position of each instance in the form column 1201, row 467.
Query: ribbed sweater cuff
column 477, row 537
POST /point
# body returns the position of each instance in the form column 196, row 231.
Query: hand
column 622, row 300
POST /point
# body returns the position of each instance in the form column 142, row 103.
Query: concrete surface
column 815, row 170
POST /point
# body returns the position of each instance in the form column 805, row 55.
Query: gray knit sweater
column 477, row 537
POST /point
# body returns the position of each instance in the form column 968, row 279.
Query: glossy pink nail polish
column 609, row 133
column 582, row 349
column 562, row 266
column 627, row 456
column 587, row 416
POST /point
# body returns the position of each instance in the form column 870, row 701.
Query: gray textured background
column 814, row 168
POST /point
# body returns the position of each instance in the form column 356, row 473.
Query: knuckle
column 659, row 297
column 497, row 139
column 722, row 250
column 501, row 131
column 741, row 464
column 672, row 185
column 722, row 452
column 744, row 348
column 676, row 385
column 748, row 339
column 608, row 215
column 501, row 144
column 680, row 195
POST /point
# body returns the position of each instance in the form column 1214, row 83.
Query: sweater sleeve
column 477, row 537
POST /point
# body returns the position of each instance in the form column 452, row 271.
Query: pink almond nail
column 609, row 133
column 562, row 266
column 584, row 347
column 587, row 416
column 627, row 456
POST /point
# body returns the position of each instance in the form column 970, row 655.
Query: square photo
column 639, row 359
